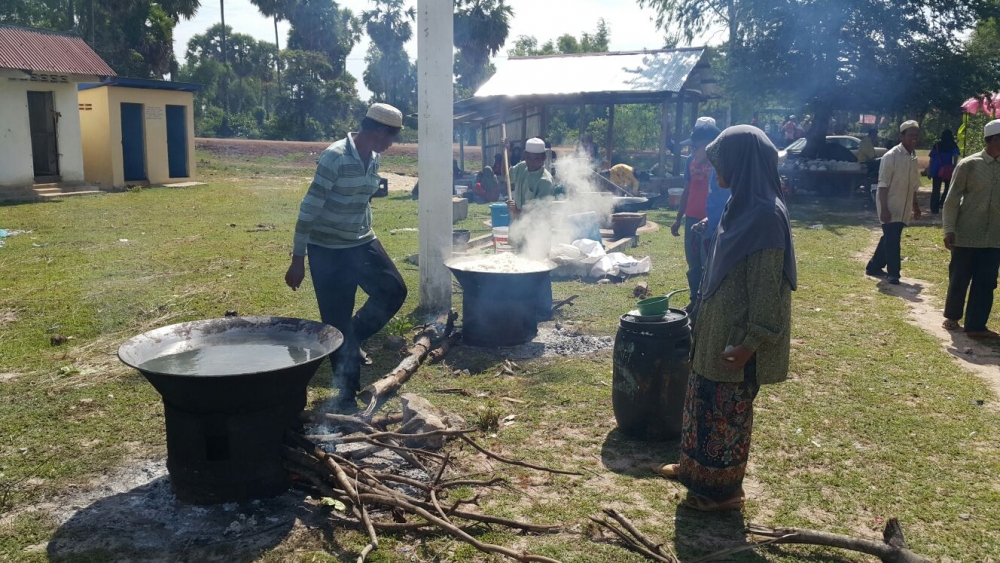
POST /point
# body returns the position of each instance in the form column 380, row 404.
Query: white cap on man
column 705, row 121
column 907, row 125
column 992, row 128
column 534, row 146
column 386, row 115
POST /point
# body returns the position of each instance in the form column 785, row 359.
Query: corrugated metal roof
column 46, row 51
column 597, row 73
column 143, row 84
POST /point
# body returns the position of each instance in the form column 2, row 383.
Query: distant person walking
column 694, row 202
column 898, row 182
column 972, row 233
column 742, row 337
column 944, row 155
column 335, row 229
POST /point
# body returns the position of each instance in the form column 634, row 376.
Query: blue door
column 177, row 147
column 133, row 143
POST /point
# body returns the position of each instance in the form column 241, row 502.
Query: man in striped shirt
column 971, row 221
column 335, row 229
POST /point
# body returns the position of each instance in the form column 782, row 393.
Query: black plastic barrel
column 651, row 368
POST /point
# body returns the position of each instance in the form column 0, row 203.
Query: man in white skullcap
column 971, row 221
column 529, row 180
column 898, row 182
column 335, row 229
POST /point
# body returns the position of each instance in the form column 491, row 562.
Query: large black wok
column 224, row 432
column 499, row 308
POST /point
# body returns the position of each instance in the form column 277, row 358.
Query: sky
column 632, row 28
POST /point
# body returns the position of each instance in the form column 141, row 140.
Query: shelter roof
column 598, row 78
column 143, row 83
column 36, row 50
column 594, row 73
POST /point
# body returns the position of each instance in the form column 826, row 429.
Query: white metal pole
column 435, row 42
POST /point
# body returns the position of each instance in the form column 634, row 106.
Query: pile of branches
column 387, row 502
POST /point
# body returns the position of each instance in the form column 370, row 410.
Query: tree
column 278, row 10
column 323, row 27
column 481, row 30
column 832, row 54
column 389, row 74
column 597, row 42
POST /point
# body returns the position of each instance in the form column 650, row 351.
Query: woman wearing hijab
column 742, row 334
column 944, row 156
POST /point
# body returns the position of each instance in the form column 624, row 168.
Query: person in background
column 742, row 338
column 898, row 182
column 487, row 188
column 624, row 176
column 498, row 165
column 789, row 129
column 866, row 153
column 971, row 221
column 944, row 155
column 692, row 208
column 551, row 156
column 588, row 147
column 334, row 228
column 755, row 121
column 515, row 155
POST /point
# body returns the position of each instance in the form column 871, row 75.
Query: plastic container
column 585, row 225
column 499, row 215
column 674, row 197
column 501, row 240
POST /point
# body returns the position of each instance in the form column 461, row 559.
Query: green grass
column 876, row 421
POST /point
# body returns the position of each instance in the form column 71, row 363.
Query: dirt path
column 925, row 312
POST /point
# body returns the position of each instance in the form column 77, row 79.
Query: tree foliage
column 481, row 30
column 566, row 44
column 389, row 74
column 868, row 55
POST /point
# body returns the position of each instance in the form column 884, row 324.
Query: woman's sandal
column 949, row 324
column 702, row 504
column 668, row 470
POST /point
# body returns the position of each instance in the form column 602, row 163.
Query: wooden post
column 524, row 123
column 611, row 133
column 461, row 146
column 664, row 135
column 582, row 123
column 545, row 122
column 679, row 132
column 482, row 145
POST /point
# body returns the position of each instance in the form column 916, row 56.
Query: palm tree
column 277, row 9
column 481, row 30
column 389, row 26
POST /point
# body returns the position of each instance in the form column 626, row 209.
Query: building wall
column 155, row 130
column 95, row 126
column 15, row 131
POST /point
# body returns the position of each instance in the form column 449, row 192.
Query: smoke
column 547, row 222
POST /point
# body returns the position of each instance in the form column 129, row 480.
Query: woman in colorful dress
column 742, row 334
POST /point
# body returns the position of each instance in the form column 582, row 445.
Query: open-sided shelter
column 522, row 92
column 138, row 131
column 39, row 118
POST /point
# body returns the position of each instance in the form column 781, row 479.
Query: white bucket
column 501, row 240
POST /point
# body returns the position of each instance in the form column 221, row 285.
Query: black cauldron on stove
column 500, row 308
column 225, row 426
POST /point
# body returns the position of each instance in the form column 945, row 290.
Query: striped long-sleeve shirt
column 335, row 212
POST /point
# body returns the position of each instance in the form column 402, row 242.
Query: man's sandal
column 949, row 324
column 983, row 335
column 703, row 504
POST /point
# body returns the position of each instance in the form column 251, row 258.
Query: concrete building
column 39, row 118
column 137, row 131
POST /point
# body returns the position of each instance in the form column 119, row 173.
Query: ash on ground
column 133, row 515
column 555, row 339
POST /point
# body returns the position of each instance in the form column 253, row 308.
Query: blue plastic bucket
column 499, row 215
column 585, row 225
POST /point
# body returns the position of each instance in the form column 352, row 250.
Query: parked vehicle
column 851, row 143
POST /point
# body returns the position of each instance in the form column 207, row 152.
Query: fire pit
column 231, row 388
column 501, row 300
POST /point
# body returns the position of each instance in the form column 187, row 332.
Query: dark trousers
column 887, row 255
column 336, row 276
column 976, row 267
column 937, row 196
column 694, row 254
